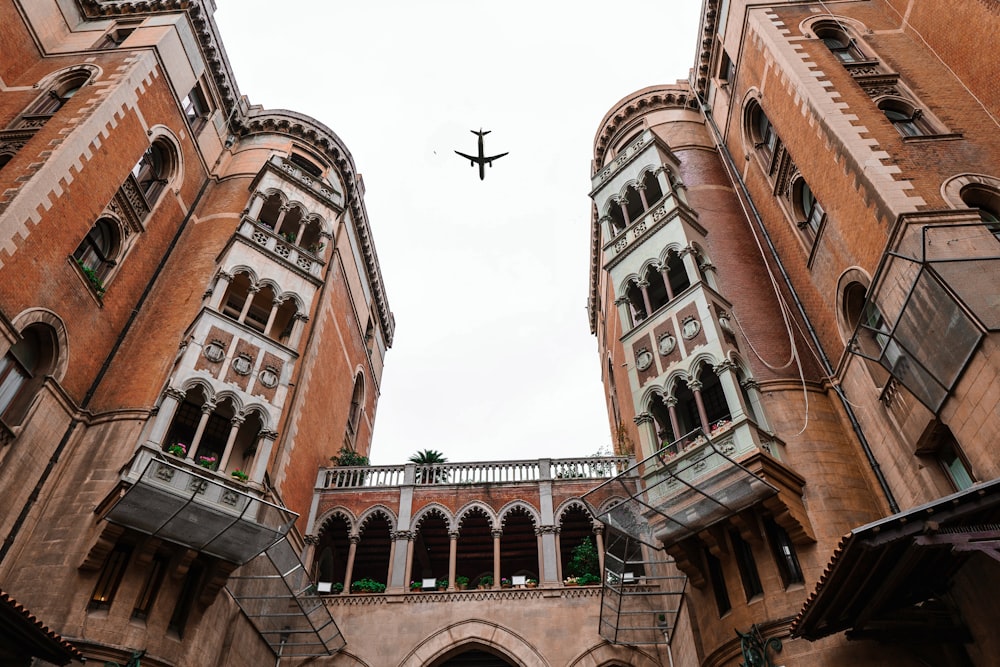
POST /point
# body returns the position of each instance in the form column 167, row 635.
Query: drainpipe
column 737, row 181
column 54, row 459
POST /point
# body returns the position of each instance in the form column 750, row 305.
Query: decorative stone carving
column 243, row 364
column 690, row 327
column 215, row 351
column 667, row 344
column 644, row 359
column 269, row 377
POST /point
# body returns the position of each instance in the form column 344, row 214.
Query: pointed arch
column 374, row 511
column 476, row 506
column 519, row 506
column 570, row 504
column 433, row 509
column 335, row 512
column 474, row 632
column 606, row 654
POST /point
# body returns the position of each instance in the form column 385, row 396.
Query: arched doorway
column 475, row 657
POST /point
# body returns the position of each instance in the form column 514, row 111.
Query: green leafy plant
column 177, row 449
column 316, row 247
column 92, row 277
column 349, row 457
column 584, row 560
column 240, row 475
column 416, row 585
column 208, row 462
column 337, row 588
column 288, row 236
column 429, row 457
column 367, row 586
column 442, row 584
column 588, row 579
column 461, row 582
column 486, row 580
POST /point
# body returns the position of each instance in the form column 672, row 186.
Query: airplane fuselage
column 482, row 160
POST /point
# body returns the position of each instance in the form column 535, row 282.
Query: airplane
column 482, row 159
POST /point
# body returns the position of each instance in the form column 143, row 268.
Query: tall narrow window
column 747, row 566
column 98, row 251
column 718, row 580
column 152, row 172
column 986, row 201
column 150, row 589
column 354, row 415
column 186, row 599
column 196, row 108
column 807, row 209
column 110, row 577
column 784, row 553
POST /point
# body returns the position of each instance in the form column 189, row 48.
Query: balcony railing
column 180, row 502
column 491, row 472
column 265, row 237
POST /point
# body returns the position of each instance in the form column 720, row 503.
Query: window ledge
column 951, row 136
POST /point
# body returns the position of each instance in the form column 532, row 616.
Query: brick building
column 793, row 288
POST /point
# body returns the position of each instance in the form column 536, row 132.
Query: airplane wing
column 468, row 157
column 489, row 160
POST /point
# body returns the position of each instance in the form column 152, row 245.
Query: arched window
column 908, row 120
column 807, row 209
column 23, row 370
column 839, row 42
column 98, row 251
column 153, row 171
column 661, row 420
column 357, row 403
column 657, row 289
column 57, row 96
column 762, row 133
column 986, row 201
column 868, row 325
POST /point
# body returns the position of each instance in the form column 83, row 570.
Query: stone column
column 281, row 217
column 206, row 410
column 256, row 204
column 665, row 272
column 608, row 228
column 298, row 326
column 644, row 288
column 168, row 408
column 251, row 293
column 675, row 425
column 642, row 196
column 599, row 538
column 234, row 429
column 275, row 305
column 393, row 537
column 652, row 442
column 690, row 264
column 496, row 557
column 625, row 312
column 695, row 387
column 452, row 557
column 222, row 280
column 265, row 442
column 664, row 180
column 558, row 541
column 351, row 551
column 408, row 574
column 623, row 203
column 726, row 370
column 548, row 555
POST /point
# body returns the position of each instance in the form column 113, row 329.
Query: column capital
column 224, row 275
column 749, row 384
column 695, row 384
column 621, row 301
column 723, row 366
column 669, row 401
column 496, row 533
column 406, row 535
column 175, row 393
column 311, row 540
column 643, row 418
column 598, row 528
column 354, row 539
column 302, row 317
column 238, row 419
column 268, row 434
column 453, row 534
column 642, row 282
column 546, row 530
column 208, row 407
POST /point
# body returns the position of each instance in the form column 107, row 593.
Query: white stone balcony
column 181, row 502
column 489, row 472
column 263, row 236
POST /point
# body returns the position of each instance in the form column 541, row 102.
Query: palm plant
column 429, row 457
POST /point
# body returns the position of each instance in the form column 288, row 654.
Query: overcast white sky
column 493, row 357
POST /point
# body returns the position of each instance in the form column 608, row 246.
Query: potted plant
column 240, row 475
column 486, row 581
column 288, row 236
column 415, row 585
column 368, row 586
column 570, row 581
column 208, row 462
column 315, row 248
column 461, row 583
column 337, row 588
column 588, row 579
column 178, row 449
column 442, row 584
column 531, row 583
column 504, row 582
